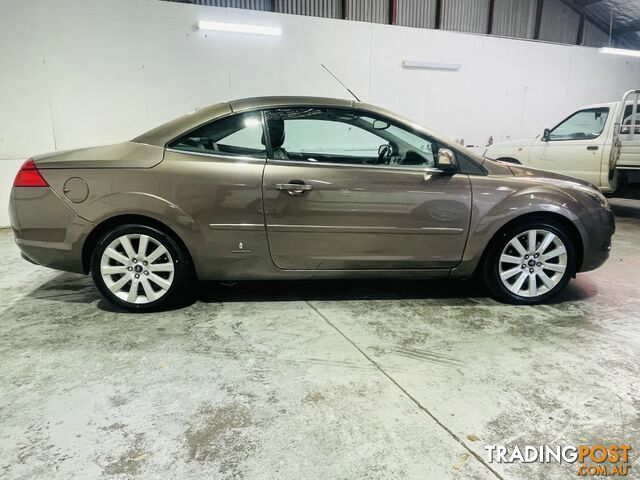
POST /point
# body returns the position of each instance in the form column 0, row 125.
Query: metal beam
column 536, row 29
column 580, row 37
column 492, row 4
column 393, row 12
column 439, row 14
column 588, row 16
column 345, row 9
column 584, row 3
column 628, row 28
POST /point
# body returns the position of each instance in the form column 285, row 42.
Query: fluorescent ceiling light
column 620, row 51
column 431, row 65
column 239, row 28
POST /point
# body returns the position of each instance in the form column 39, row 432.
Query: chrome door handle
column 294, row 188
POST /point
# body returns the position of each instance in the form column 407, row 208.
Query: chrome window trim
column 398, row 168
column 231, row 158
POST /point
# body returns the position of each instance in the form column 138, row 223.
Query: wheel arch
column 103, row 227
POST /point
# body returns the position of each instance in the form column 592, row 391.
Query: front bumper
column 46, row 230
column 600, row 226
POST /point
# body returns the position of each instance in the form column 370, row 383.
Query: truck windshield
column 583, row 125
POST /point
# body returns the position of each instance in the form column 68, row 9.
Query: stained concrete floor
column 315, row 380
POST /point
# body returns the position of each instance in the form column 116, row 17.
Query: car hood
column 522, row 171
column 120, row 155
column 520, row 142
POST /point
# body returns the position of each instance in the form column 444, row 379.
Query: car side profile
column 299, row 188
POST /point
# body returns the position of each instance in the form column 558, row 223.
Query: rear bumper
column 46, row 230
column 600, row 225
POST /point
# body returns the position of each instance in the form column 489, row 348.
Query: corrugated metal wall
column 317, row 8
column 511, row 18
column 416, row 13
column 466, row 15
column 514, row 18
column 248, row 4
column 559, row 22
column 376, row 11
column 593, row 36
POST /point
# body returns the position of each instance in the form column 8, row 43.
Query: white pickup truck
column 596, row 143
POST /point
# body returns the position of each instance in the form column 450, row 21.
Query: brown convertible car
column 302, row 187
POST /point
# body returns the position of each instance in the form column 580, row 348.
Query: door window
column 237, row 135
column 333, row 135
column 583, row 125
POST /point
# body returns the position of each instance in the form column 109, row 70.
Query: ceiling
column 622, row 15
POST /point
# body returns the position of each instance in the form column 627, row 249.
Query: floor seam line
column 406, row 393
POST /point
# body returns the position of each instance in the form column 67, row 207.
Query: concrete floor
column 315, row 380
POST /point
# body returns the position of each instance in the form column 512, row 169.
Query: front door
column 575, row 146
column 343, row 190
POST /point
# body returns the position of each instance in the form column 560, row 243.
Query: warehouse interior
column 320, row 378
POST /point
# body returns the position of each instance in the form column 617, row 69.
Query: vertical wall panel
column 514, row 18
column 559, row 22
column 248, row 4
column 466, row 15
column 593, row 36
column 316, row 8
column 417, row 13
column 376, row 11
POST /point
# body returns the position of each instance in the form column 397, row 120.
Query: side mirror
column 446, row 161
column 546, row 134
column 380, row 125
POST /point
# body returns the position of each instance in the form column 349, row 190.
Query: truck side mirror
column 546, row 134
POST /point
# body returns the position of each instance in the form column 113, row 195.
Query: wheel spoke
column 157, row 253
column 510, row 259
column 148, row 290
column 161, row 267
column 161, row 282
column 546, row 280
column 553, row 253
column 133, row 293
column 116, row 286
column 533, row 285
column 142, row 246
column 546, row 241
column 554, row 267
column 113, row 269
column 128, row 248
column 515, row 243
column 531, row 239
column 111, row 253
column 515, row 288
column 506, row 275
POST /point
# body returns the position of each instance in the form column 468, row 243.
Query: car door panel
column 357, row 217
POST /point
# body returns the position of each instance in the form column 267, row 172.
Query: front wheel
column 530, row 263
column 139, row 268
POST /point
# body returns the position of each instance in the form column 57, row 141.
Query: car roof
column 167, row 132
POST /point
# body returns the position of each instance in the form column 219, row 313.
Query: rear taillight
column 29, row 176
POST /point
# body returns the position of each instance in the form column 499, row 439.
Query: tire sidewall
column 491, row 265
column 180, row 262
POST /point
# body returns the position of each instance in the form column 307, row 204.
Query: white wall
column 77, row 73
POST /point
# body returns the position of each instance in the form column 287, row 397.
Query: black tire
column 491, row 264
column 182, row 270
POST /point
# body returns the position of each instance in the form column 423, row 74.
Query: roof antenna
column 338, row 80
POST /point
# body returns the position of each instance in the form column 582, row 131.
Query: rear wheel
column 140, row 268
column 530, row 263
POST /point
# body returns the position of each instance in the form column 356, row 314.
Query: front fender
column 497, row 202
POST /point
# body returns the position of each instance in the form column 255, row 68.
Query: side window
column 583, row 125
column 341, row 136
column 237, row 135
column 628, row 118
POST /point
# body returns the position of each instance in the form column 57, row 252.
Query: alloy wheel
column 533, row 263
column 137, row 268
